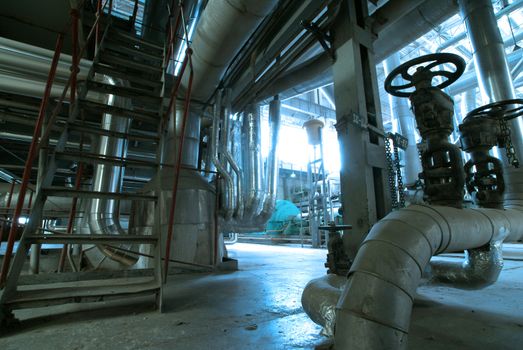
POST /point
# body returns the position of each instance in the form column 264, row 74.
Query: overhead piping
column 224, row 26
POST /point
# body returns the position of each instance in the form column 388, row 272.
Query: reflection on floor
column 258, row 307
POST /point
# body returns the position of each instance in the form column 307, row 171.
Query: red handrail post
column 75, row 61
column 170, row 227
column 97, row 30
column 29, row 161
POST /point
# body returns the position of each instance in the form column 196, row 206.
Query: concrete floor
column 259, row 307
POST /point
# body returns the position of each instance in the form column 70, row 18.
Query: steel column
column 363, row 172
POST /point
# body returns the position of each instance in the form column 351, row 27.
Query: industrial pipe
column 238, row 190
column 252, row 162
column 228, row 192
column 271, row 177
column 223, row 28
column 495, row 81
column 375, row 307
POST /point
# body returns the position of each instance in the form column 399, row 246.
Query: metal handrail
column 38, row 142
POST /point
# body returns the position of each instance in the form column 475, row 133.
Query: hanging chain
column 399, row 177
column 509, row 147
column 392, row 175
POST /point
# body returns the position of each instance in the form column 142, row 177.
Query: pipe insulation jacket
column 375, row 307
column 224, row 26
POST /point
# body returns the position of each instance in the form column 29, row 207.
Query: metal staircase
column 119, row 55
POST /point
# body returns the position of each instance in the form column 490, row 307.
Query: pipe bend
column 374, row 309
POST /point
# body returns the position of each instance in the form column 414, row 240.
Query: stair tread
column 124, row 73
column 90, row 238
column 116, row 48
column 136, row 113
column 70, row 192
column 75, row 292
column 82, row 127
column 130, row 37
column 124, row 91
column 114, row 60
column 94, row 159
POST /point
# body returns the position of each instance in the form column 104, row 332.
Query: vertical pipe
column 495, row 81
column 30, row 158
column 399, row 110
column 135, row 12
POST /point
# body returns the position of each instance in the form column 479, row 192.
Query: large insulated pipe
column 400, row 110
column 223, row 28
column 252, row 162
column 375, row 307
column 495, row 81
column 271, row 177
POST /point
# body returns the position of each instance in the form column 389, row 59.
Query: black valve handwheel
column 431, row 61
column 506, row 109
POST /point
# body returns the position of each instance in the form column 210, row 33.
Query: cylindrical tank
column 313, row 128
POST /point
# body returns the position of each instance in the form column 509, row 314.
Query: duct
column 374, row 309
column 223, row 28
column 252, row 162
column 226, row 140
column 228, row 190
column 400, row 111
column 319, row 300
column 491, row 65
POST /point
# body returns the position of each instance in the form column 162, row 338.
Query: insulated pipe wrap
column 375, row 306
column 224, row 26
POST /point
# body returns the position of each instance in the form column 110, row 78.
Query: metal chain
column 399, row 177
column 509, row 147
column 392, row 175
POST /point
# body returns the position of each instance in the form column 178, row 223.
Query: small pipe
column 229, row 157
column 228, row 195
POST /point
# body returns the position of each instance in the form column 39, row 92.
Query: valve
column 442, row 175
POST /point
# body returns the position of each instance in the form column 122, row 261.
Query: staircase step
column 70, row 192
column 95, row 159
column 117, row 61
column 90, row 239
column 135, row 113
column 75, row 294
column 139, row 94
column 131, row 38
column 133, row 77
column 90, row 129
column 64, row 277
column 115, row 48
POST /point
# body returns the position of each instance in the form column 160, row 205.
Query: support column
column 400, row 110
column 363, row 166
